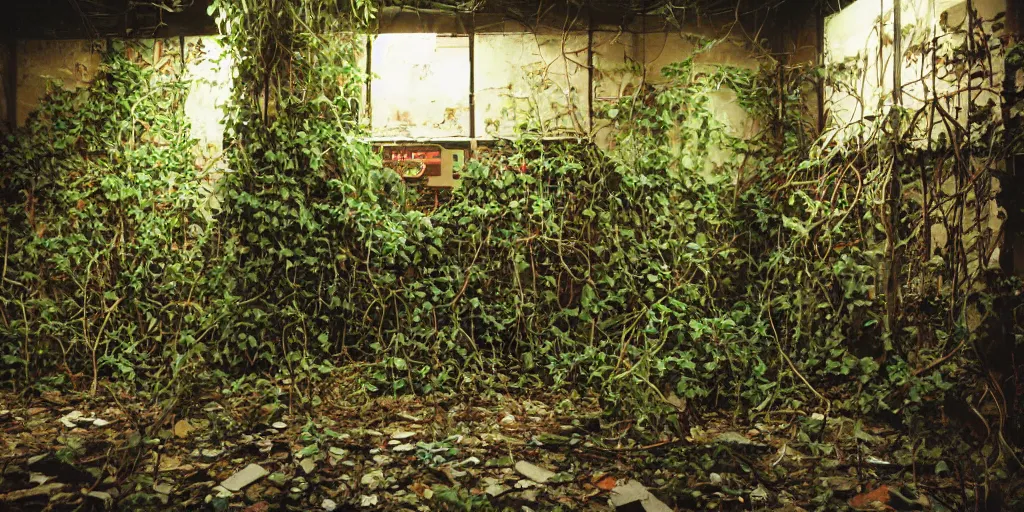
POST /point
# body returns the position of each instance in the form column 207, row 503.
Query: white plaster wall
column 75, row 63
column 854, row 36
column 201, row 61
column 420, row 84
column 208, row 69
column 534, row 80
column 861, row 36
column 531, row 78
column 420, row 87
column 623, row 61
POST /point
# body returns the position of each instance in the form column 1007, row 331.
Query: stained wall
column 447, row 77
column 859, row 45
column 70, row 64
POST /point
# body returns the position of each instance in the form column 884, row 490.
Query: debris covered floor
column 542, row 452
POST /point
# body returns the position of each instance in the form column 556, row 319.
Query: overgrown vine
column 686, row 269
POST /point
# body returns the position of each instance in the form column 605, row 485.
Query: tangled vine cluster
column 796, row 272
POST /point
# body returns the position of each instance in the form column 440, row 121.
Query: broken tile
column 627, row 496
column 534, row 472
column 246, row 476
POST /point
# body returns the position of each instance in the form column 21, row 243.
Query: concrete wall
column 533, row 77
column 623, row 61
column 522, row 77
column 421, row 86
column 859, row 38
column 536, row 80
column 198, row 60
column 71, row 64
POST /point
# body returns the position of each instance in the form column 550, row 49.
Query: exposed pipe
column 820, row 62
column 590, row 70
column 472, row 76
column 895, row 189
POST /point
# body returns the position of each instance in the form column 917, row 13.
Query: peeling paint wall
column 200, row 61
column 433, row 85
column 208, row 69
column 421, row 86
column 663, row 49
column 859, row 39
column 854, row 37
column 625, row 60
column 73, row 64
column 537, row 81
column 537, row 78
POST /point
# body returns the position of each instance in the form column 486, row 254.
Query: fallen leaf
column 169, row 463
column 38, row 478
column 876, row 499
column 163, row 488
column 182, row 429
column 32, row 492
column 258, row 507
column 607, row 483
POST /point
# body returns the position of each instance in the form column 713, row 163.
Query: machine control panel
column 430, row 165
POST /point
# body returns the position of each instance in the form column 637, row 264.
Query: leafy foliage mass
column 687, row 268
column 103, row 231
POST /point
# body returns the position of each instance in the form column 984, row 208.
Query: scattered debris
column 735, row 438
column 373, row 479
column 875, row 461
column 907, row 499
column 634, row 497
column 211, row 454
column 871, row 500
column 163, row 488
column 38, row 478
column 103, row 497
column 246, row 476
column 456, row 458
column 759, row 496
column 70, row 420
column 494, row 487
column 534, row 472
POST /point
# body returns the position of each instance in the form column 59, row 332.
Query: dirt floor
column 443, row 452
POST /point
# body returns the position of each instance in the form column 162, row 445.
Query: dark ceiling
column 77, row 19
